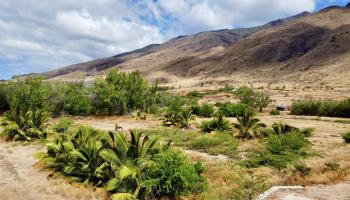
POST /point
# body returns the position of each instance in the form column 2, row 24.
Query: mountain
column 306, row 47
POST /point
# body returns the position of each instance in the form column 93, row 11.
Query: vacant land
column 18, row 170
column 21, row 179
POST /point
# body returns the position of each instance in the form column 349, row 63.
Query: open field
column 19, row 163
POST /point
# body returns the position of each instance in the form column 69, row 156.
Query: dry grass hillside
column 310, row 49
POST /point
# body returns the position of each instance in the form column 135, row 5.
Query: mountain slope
column 168, row 52
column 305, row 47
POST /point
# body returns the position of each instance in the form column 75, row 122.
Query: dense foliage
column 204, row 110
column 119, row 93
column 330, row 108
column 252, row 98
column 217, row 124
column 133, row 166
column 70, row 98
column 27, row 117
column 169, row 175
column 282, row 147
column 248, row 126
column 232, row 109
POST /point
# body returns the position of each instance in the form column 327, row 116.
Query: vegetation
column 251, row 98
column 346, row 137
column 279, row 151
column 248, row 126
column 169, row 175
column 120, row 93
column 70, row 98
column 330, row 108
column 133, row 166
column 217, row 124
column 4, row 104
column 63, row 125
column 232, row 109
column 27, row 117
column 280, row 128
column 275, row 112
column 221, row 143
column 205, row 110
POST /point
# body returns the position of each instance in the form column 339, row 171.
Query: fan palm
column 247, row 125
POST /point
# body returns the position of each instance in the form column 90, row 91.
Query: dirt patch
column 339, row 191
column 108, row 123
column 21, row 180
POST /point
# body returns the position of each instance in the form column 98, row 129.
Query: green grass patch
column 279, row 151
column 220, row 143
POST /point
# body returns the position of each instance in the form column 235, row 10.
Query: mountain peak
column 347, row 5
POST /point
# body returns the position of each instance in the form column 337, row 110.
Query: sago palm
column 125, row 156
column 248, row 125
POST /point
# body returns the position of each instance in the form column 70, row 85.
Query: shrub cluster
column 232, row 109
column 178, row 115
column 252, row 98
column 217, row 124
column 330, row 108
column 70, row 98
column 204, row 110
column 27, row 117
column 130, row 166
column 280, row 149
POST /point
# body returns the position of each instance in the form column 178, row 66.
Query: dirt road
column 20, row 180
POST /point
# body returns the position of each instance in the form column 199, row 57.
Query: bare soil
column 21, row 180
column 339, row 191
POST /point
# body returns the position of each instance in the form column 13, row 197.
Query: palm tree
column 185, row 118
column 247, row 125
column 126, row 158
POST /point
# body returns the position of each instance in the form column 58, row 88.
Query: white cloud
column 200, row 15
column 37, row 35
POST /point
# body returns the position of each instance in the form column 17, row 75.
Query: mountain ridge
column 286, row 49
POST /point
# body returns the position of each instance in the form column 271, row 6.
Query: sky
column 40, row 35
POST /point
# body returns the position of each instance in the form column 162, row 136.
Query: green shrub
column 207, row 110
column 170, row 175
column 217, row 124
column 279, row 151
column 120, row 93
column 70, row 98
column 306, row 107
column 330, row 108
column 63, row 125
column 27, row 117
column 275, row 112
column 293, row 142
column 248, row 126
column 181, row 117
column 280, row 128
column 133, row 166
column 346, row 137
column 252, row 98
column 232, row 109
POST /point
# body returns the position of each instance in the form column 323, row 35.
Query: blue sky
column 39, row 35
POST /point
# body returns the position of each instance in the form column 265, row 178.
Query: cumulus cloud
column 39, row 35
